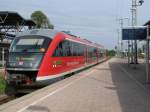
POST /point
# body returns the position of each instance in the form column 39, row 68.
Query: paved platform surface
column 107, row 87
column 138, row 73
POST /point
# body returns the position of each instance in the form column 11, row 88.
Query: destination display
column 134, row 33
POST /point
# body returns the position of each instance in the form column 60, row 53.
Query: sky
column 95, row 20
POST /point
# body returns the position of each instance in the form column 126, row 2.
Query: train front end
column 25, row 56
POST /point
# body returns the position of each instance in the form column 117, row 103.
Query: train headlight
column 42, row 50
column 31, row 64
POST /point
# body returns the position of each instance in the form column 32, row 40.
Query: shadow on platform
column 132, row 97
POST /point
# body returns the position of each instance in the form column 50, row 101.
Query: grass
column 2, row 84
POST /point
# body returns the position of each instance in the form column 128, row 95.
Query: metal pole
column 136, row 54
column 128, row 52
column 128, row 46
column 147, row 56
column 118, row 43
column 121, row 21
column 132, row 52
column 121, row 38
column 3, row 55
column 134, row 23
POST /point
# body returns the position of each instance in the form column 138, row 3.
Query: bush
column 2, row 84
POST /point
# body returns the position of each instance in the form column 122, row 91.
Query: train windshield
column 30, row 44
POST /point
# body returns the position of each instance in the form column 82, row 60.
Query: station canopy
column 12, row 22
column 14, row 19
column 147, row 23
column 29, row 23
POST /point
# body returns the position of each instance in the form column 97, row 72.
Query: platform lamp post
column 118, row 43
column 147, row 56
column 128, row 45
column 121, row 22
column 135, row 4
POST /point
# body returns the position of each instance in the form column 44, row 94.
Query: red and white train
column 41, row 55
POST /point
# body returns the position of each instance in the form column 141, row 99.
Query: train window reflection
column 30, row 41
column 30, row 44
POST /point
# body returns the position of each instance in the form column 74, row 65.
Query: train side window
column 72, row 48
column 58, row 51
column 75, row 49
column 69, row 48
column 63, row 49
column 66, row 48
column 81, row 50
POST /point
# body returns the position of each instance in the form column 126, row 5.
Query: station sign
column 134, row 33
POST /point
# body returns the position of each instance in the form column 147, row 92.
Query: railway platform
column 111, row 86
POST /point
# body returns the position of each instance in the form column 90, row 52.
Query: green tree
column 41, row 20
column 111, row 52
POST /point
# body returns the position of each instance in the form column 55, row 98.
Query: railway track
column 5, row 99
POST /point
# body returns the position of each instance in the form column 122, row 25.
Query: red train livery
column 41, row 55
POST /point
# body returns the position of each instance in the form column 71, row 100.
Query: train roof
column 84, row 41
column 51, row 33
column 43, row 32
